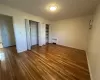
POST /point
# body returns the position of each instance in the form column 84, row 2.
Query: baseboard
column 89, row 67
column 70, row 47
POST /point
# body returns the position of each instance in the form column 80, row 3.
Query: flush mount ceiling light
column 53, row 8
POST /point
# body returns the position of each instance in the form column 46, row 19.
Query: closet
column 35, row 33
column 47, row 33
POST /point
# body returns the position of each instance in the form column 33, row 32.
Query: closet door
column 28, row 38
column 33, row 33
column 42, row 34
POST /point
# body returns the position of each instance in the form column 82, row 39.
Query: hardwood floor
column 50, row 62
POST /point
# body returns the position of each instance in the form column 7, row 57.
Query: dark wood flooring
column 50, row 62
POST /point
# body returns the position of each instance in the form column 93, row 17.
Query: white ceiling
column 66, row 8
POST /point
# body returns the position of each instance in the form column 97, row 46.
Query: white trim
column 89, row 67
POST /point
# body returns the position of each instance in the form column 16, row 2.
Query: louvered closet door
column 28, row 38
column 42, row 34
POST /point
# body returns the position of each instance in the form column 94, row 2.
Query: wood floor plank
column 49, row 62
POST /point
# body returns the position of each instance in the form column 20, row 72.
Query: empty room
column 49, row 39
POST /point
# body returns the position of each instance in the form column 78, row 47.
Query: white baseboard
column 89, row 67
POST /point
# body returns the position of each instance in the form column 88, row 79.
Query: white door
column 42, row 34
column 33, row 33
column 27, row 26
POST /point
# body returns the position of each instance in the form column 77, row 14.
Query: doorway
column 7, row 37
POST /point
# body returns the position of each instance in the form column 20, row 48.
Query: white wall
column 71, row 32
column 7, row 31
column 19, row 24
column 93, row 52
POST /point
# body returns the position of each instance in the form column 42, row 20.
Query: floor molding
column 89, row 66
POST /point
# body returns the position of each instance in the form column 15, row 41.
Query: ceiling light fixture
column 53, row 8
